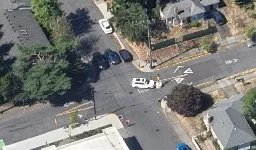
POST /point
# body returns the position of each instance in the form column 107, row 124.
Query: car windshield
column 147, row 81
column 107, row 27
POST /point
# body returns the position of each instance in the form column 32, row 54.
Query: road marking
column 189, row 83
column 179, row 80
column 76, row 108
column 142, row 90
column 189, row 70
column 178, row 68
column 231, row 61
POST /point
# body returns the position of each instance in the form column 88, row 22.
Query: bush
column 195, row 23
column 185, row 100
column 216, row 144
column 251, row 14
column 249, row 31
column 208, row 45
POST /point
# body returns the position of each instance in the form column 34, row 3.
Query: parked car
column 100, row 60
column 125, row 55
column 106, row 27
column 112, row 57
column 143, row 83
column 182, row 146
column 252, row 42
column 218, row 17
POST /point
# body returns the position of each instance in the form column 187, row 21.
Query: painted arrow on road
column 178, row 68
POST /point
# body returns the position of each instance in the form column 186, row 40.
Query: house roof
column 24, row 23
column 229, row 124
column 185, row 8
column 209, row 2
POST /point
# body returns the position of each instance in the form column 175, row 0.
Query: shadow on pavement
column 87, row 45
column 80, row 21
column 6, row 59
column 133, row 143
column 207, row 101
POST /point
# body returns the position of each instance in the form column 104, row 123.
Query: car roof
column 105, row 23
column 139, row 79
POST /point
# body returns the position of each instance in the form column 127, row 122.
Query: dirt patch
column 218, row 95
column 243, row 88
column 237, row 18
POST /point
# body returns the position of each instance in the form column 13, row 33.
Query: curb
column 208, row 83
column 196, row 56
column 142, row 69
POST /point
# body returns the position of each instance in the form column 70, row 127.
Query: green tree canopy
column 45, row 11
column 131, row 19
column 185, row 100
column 42, row 71
column 249, row 104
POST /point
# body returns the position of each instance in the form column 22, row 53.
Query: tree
column 10, row 86
column 61, row 30
column 249, row 104
column 45, row 11
column 42, row 71
column 131, row 19
column 185, row 100
column 250, row 31
column 73, row 118
column 240, row 3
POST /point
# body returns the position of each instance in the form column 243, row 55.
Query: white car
column 104, row 24
column 143, row 83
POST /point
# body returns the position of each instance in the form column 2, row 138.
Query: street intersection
column 114, row 94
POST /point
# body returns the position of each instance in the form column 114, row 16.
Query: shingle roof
column 209, row 2
column 229, row 124
column 24, row 21
column 189, row 8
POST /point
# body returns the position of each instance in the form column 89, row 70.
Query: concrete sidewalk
column 63, row 133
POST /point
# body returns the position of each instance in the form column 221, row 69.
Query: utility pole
column 94, row 106
column 149, row 44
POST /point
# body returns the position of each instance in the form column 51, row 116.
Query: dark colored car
column 100, row 60
column 125, row 55
column 112, row 56
column 218, row 17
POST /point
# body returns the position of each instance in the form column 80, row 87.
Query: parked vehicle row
column 111, row 57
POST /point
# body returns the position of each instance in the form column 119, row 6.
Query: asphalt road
column 115, row 94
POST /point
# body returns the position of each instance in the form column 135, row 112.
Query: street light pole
column 149, row 44
column 94, row 106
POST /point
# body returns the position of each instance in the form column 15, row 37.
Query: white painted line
column 178, row 68
column 179, row 80
column 142, row 90
column 189, row 83
column 189, row 70
column 231, row 61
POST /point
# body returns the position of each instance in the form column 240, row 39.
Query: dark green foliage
column 249, row 104
column 45, row 11
column 185, row 100
column 131, row 19
column 195, row 23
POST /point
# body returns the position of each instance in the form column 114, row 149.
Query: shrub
column 208, row 45
column 251, row 14
column 249, row 31
column 195, row 23
column 185, row 100
column 216, row 144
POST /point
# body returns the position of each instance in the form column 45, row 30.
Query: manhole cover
column 130, row 92
column 145, row 111
column 157, row 130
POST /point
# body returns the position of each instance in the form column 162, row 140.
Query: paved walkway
column 63, row 133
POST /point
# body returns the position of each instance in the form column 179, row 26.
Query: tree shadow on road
column 78, row 95
column 87, row 45
column 80, row 22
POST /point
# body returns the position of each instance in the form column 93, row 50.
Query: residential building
column 228, row 125
column 178, row 11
